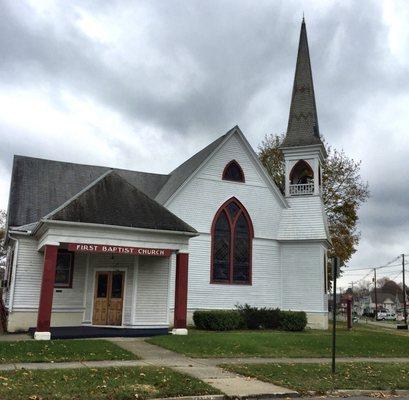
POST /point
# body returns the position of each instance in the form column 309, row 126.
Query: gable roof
column 189, row 168
column 302, row 127
column 39, row 186
column 180, row 174
column 100, row 203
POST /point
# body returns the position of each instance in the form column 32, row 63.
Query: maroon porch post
column 182, row 261
column 349, row 313
column 47, row 292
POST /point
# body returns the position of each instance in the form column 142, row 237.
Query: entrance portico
column 124, row 286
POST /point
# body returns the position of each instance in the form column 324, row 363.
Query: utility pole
column 405, row 311
column 376, row 296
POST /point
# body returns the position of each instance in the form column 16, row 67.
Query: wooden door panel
column 116, row 299
column 101, row 298
column 108, row 298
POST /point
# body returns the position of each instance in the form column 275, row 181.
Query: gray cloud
column 190, row 70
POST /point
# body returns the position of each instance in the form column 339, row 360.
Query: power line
column 388, row 264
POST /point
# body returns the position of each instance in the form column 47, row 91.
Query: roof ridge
column 88, row 165
column 82, row 191
column 90, row 200
column 202, row 149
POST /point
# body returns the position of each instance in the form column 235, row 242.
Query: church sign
column 103, row 248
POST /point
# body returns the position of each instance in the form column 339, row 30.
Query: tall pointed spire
column 302, row 127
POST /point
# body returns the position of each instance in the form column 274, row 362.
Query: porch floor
column 81, row 332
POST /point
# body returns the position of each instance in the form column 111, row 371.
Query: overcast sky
column 145, row 84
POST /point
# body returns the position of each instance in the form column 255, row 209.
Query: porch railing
column 301, row 189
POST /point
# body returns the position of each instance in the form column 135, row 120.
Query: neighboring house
column 100, row 251
column 388, row 297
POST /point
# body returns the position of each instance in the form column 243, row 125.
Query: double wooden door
column 108, row 298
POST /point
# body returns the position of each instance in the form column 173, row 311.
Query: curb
column 277, row 395
column 361, row 392
column 224, row 397
column 371, row 392
column 204, row 397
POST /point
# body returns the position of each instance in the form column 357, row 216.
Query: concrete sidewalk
column 231, row 384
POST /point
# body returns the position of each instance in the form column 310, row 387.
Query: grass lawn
column 365, row 341
column 305, row 377
column 61, row 350
column 99, row 383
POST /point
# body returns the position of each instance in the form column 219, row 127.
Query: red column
column 349, row 313
column 182, row 261
column 47, row 289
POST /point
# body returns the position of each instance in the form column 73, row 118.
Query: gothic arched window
column 233, row 172
column 232, row 235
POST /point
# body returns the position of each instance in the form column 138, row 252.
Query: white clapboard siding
column 198, row 201
column 151, row 306
column 197, row 204
column 28, row 280
column 303, row 277
column 304, row 220
column 104, row 262
column 265, row 290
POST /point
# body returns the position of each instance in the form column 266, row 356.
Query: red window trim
column 223, row 208
column 243, row 180
column 69, row 285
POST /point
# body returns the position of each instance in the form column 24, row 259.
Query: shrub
column 260, row 318
column 218, row 320
column 293, row 320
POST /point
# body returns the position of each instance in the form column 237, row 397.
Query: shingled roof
column 39, row 186
column 302, row 127
column 112, row 200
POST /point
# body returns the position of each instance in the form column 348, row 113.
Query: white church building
column 99, row 251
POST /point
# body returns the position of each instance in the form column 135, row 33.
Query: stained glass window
column 233, row 172
column 231, row 244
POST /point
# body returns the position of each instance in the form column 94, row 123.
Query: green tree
column 343, row 192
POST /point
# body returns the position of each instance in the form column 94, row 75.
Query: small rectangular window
column 64, row 269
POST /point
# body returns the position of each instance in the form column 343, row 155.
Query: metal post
column 405, row 311
column 334, row 309
column 376, row 296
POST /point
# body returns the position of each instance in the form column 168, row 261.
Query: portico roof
column 111, row 200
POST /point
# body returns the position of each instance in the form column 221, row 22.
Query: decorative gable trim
column 264, row 174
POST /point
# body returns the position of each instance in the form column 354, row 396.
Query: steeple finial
column 302, row 127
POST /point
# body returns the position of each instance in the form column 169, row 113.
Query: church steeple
column 302, row 147
column 302, row 127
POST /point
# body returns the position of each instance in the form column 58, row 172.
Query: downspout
column 13, row 276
